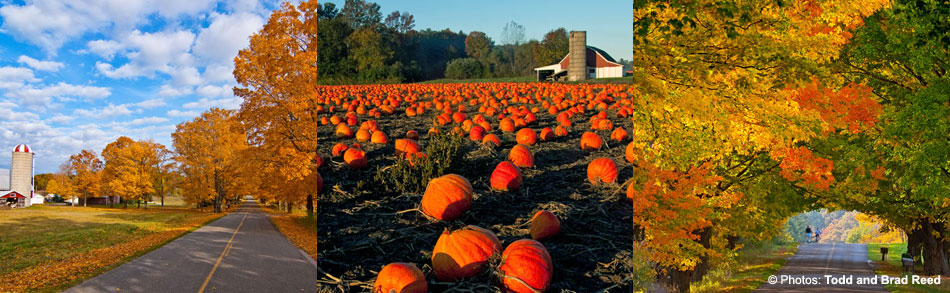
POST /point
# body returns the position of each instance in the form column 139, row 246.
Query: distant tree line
column 359, row 45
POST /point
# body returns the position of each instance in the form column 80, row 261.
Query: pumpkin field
column 454, row 177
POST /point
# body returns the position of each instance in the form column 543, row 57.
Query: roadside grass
column 892, row 267
column 751, row 268
column 299, row 229
column 48, row 248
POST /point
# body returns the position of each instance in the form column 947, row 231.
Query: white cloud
column 40, row 65
column 151, row 103
column 7, row 113
column 50, row 24
column 61, row 119
column 175, row 8
column 169, row 91
column 148, row 120
column 106, row 112
column 104, row 48
column 188, row 114
column 219, row 73
column 40, row 97
column 165, row 52
column 205, row 103
column 225, row 36
column 14, row 77
column 216, row 91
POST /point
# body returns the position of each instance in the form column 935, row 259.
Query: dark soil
column 363, row 226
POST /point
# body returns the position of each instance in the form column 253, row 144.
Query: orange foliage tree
column 208, row 149
column 83, row 170
column 277, row 74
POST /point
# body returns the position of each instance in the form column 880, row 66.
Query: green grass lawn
column 56, row 235
column 892, row 266
column 751, row 268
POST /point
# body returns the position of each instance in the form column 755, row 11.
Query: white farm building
column 581, row 62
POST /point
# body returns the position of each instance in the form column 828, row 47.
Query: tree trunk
column 138, row 204
column 935, row 258
column 310, row 205
column 84, row 200
column 915, row 242
column 680, row 280
column 290, row 207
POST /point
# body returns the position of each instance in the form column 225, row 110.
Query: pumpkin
column 546, row 134
column 526, row 136
column 362, row 135
column 319, row 161
column 458, row 117
column 463, row 253
column 400, row 277
column 343, row 131
column 355, row 158
column 602, row 170
column 338, row 149
column 379, row 137
column 560, row 131
column 506, row 177
column 526, row 267
column 618, row 134
column 521, row 156
column 631, row 153
column 507, row 125
column 447, row 197
column 319, row 182
column 591, row 141
column 412, row 134
column 544, row 224
column 406, row 146
column 335, row 120
column 492, row 140
column 477, row 133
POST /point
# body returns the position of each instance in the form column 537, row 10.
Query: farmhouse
column 16, row 189
column 590, row 62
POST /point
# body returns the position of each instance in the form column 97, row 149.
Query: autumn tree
column 60, row 184
column 552, row 48
column 207, row 153
column 130, row 167
column 733, row 95
column 277, row 74
column 477, row 45
column 83, row 170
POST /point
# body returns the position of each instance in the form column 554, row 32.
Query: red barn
column 599, row 65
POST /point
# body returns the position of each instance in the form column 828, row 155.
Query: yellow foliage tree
column 277, row 74
column 60, row 185
column 83, row 171
column 207, row 153
column 130, row 166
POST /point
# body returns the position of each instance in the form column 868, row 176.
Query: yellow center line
column 226, row 249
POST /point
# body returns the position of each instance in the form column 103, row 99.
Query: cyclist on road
column 808, row 234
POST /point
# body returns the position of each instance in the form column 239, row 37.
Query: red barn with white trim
column 599, row 65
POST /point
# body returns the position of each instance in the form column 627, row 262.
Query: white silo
column 21, row 172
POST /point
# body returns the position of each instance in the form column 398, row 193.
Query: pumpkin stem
column 523, row 283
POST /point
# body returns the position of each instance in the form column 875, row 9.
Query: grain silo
column 577, row 48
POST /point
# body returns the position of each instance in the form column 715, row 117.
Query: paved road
column 258, row 259
column 814, row 261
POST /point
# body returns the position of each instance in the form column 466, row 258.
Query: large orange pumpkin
column 447, row 197
column 560, row 131
column 521, row 156
column 526, row 136
column 506, row 125
column 355, row 158
column 338, row 149
column 406, row 146
column 618, row 134
column 362, row 135
column 544, row 224
column 631, row 153
column 477, row 133
column 343, row 131
column 526, row 267
column 546, row 134
column 400, row 277
column 506, row 177
column 463, row 253
column 591, row 141
column 379, row 137
column 491, row 139
column 602, row 170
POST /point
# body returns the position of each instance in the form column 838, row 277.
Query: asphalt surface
column 258, row 259
column 806, row 271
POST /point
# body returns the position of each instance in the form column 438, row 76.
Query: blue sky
column 77, row 74
column 608, row 22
